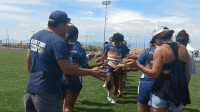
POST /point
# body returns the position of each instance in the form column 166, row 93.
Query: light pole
column 8, row 39
column 86, row 42
column 105, row 3
column 144, row 41
column 33, row 32
column 129, row 42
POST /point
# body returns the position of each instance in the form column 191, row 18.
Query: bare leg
column 120, row 88
column 109, row 81
column 69, row 100
column 109, row 85
column 116, row 86
column 124, row 76
column 142, row 108
column 124, row 79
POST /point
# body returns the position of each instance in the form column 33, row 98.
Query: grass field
column 14, row 76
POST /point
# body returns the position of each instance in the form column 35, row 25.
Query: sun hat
column 159, row 29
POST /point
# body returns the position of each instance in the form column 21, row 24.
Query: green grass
column 14, row 76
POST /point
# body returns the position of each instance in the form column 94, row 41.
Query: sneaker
column 113, row 101
column 104, row 85
column 109, row 98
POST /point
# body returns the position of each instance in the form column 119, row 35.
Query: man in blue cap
column 47, row 60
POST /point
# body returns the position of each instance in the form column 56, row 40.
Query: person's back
column 183, row 38
column 78, row 54
column 45, row 68
column 168, row 55
column 170, row 71
column 47, row 59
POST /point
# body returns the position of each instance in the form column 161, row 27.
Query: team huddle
column 56, row 63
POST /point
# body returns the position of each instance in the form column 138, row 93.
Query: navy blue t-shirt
column 78, row 43
column 123, row 49
column 146, row 56
column 103, row 49
column 78, row 54
column 45, row 75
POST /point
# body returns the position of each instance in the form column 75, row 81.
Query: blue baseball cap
column 59, row 17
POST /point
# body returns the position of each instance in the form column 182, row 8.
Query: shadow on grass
column 89, row 109
column 130, row 80
column 130, row 76
column 126, row 97
column 126, row 102
column 95, row 103
column 131, row 88
column 190, row 110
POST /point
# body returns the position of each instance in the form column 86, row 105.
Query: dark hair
column 152, row 41
column 53, row 24
column 105, row 43
column 182, row 37
column 165, row 35
column 118, row 37
column 72, row 32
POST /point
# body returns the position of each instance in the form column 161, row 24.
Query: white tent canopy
column 189, row 48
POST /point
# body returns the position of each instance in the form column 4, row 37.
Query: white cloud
column 20, row 27
column 12, row 9
column 22, row 1
column 128, row 22
column 14, row 17
column 95, row 1
column 120, row 16
column 90, row 12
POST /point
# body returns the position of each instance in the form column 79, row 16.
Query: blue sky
column 132, row 18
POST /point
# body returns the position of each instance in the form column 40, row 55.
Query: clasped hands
column 129, row 63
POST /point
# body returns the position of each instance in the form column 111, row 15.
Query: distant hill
column 15, row 41
column 94, row 43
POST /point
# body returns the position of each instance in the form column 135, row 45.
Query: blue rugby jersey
column 123, row 49
column 146, row 56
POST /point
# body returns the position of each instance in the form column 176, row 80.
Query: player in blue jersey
column 73, row 84
column 114, row 52
column 170, row 70
column 125, row 72
column 47, row 60
column 146, row 82
column 145, row 58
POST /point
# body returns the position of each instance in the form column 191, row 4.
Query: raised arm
column 105, row 55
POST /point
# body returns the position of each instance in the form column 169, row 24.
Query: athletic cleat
column 104, row 85
column 113, row 101
column 109, row 98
